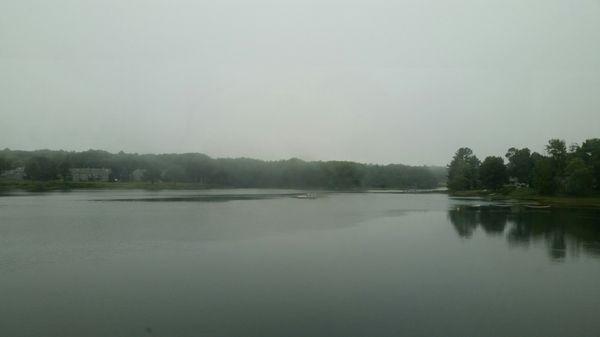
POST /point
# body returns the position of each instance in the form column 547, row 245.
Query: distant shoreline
column 524, row 196
column 47, row 169
column 57, row 185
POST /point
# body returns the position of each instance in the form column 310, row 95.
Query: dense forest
column 561, row 170
column 47, row 165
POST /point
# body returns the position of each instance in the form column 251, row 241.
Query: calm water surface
column 251, row 263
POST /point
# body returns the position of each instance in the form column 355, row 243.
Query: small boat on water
column 537, row 206
column 502, row 206
column 473, row 206
column 489, row 207
column 306, row 196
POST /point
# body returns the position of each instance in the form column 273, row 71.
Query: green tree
column 590, row 153
column 578, row 177
column 543, row 175
column 463, row 170
column 41, row 168
column 520, row 164
column 493, row 173
column 343, row 174
column 152, row 174
column 64, row 170
column 4, row 164
column 557, row 150
column 174, row 174
column 558, row 155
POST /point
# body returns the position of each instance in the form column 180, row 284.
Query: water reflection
column 563, row 232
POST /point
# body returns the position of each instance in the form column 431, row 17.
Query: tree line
column 47, row 165
column 571, row 171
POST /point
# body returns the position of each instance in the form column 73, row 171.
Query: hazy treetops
column 198, row 168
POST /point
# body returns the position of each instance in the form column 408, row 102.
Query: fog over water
column 370, row 81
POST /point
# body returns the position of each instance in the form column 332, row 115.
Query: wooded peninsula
column 560, row 172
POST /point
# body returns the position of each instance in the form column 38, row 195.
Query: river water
column 260, row 263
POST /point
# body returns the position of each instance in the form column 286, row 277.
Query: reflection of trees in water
column 493, row 223
column 465, row 222
column 561, row 230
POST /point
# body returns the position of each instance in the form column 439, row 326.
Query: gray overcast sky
column 370, row 81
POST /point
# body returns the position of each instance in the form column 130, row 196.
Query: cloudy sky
column 370, row 81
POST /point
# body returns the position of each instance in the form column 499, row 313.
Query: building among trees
column 90, row 174
column 14, row 174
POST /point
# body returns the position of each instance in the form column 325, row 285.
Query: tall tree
column 557, row 150
column 4, row 164
column 543, row 176
column 590, row 153
column 463, row 171
column 63, row 170
column 520, row 164
column 493, row 173
column 578, row 177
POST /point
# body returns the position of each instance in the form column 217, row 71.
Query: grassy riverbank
column 528, row 195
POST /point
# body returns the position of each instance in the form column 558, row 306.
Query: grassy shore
column 528, row 195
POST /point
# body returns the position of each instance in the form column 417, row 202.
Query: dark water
column 111, row 263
